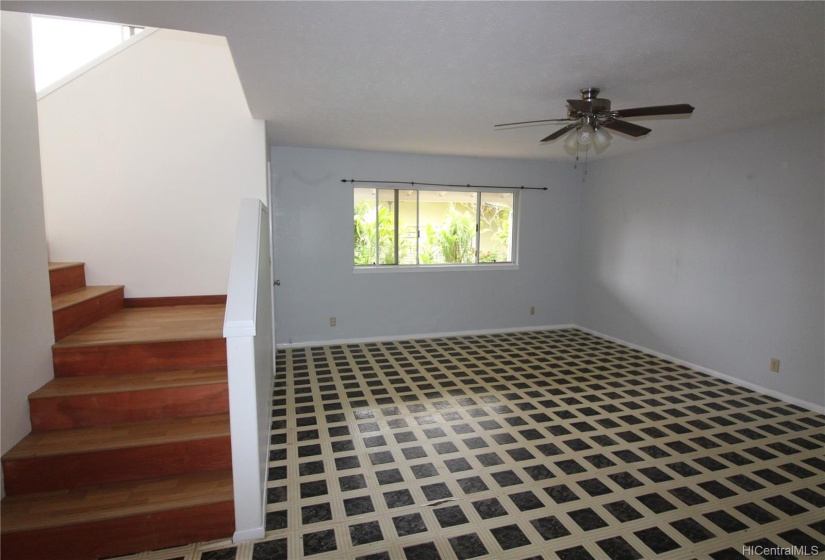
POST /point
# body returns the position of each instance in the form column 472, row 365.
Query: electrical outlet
column 775, row 365
column 332, row 321
column 532, row 311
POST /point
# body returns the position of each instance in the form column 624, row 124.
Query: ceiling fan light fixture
column 571, row 140
column 601, row 137
column 586, row 134
column 589, row 117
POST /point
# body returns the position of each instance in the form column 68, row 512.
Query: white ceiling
column 434, row 77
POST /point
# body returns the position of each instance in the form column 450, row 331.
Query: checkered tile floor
column 549, row 444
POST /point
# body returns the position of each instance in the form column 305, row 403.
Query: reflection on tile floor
column 548, row 444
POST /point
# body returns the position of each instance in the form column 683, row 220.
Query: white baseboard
column 752, row 386
column 391, row 338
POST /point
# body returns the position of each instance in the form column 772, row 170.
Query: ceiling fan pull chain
column 576, row 163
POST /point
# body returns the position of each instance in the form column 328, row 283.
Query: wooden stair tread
column 142, row 381
column 70, row 507
column 119, row 436
column 62, row 265
column 74, row 297
column 153, row 324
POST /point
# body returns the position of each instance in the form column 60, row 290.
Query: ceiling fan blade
column 627, row 128
column 580, row 105
column 560, row 132
column 530, row 122
column 681, row 109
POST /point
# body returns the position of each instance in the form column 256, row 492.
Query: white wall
column 26, row 326
column 312, row 212
column 712, row 251
column 145, row 160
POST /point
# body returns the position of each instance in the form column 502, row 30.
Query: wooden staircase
column 129, row 449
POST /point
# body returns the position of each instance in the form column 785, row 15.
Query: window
column 62, row 45
column 417, row 227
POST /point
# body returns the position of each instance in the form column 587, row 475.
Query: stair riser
column 131, row 358
column 67, row 279
column 44, row 474
column 175, row 300
column 135, row 406
column 88, row 541
column 74, row 318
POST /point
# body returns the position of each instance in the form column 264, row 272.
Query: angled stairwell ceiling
column 434, row 77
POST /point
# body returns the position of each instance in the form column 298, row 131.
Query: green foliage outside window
column 364, row 231
column 452, row 240
column 364, row 234
column 495, row 220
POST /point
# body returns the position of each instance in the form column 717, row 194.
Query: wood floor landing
column 158, row 324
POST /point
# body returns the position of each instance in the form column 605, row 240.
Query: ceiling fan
column 589, row 116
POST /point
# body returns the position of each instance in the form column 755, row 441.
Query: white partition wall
column 27, row 333
column 249, row 344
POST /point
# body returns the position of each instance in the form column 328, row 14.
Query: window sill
column 432, row 268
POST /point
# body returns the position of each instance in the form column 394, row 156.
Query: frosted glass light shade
column 601, row 137
column 586, row 134
column 571, row 140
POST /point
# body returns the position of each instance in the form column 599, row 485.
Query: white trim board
column 820, row 409
column 736, row 381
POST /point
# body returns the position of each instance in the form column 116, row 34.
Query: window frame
column 396, row 266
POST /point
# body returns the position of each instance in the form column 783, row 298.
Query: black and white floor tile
column 535, row 445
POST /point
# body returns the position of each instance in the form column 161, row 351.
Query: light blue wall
column 313, row 250
column 712, row 251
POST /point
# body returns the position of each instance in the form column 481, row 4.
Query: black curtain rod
column 445, row 185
